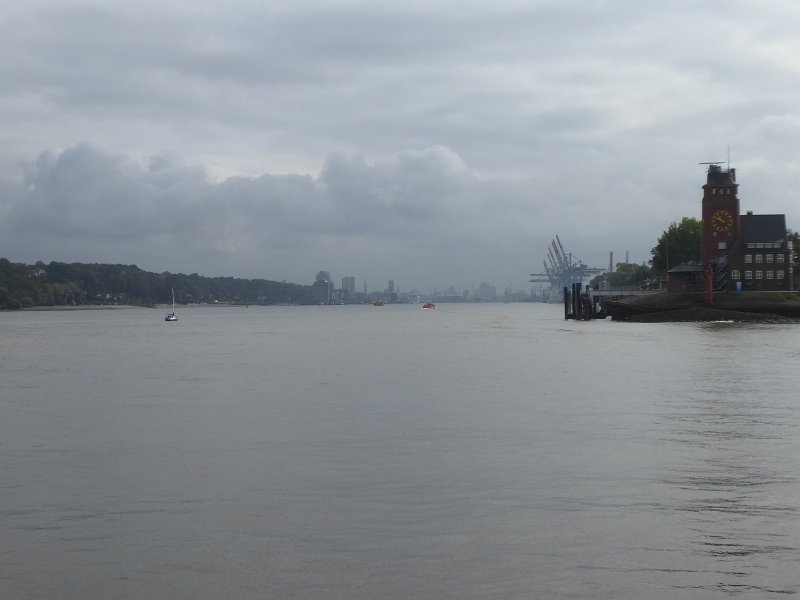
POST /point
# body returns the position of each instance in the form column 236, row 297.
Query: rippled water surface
column 476, row 451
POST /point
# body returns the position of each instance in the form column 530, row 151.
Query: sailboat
column 172, row 316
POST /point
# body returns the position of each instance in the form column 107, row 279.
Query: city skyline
column 393, row 286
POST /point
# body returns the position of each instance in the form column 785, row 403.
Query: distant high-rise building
column 348, row 289
column 322, row 289
column 391, row 292
column 487, row 293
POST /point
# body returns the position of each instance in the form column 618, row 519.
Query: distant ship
column 172, row 316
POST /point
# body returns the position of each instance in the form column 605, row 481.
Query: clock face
column 721, row 220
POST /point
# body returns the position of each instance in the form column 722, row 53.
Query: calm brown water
column 473, row 452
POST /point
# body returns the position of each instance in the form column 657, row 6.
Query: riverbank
column 128, row 306
column 707, row 315
column 79, row 307
column 745, row 307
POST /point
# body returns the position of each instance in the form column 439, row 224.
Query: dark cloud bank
column 422, row 218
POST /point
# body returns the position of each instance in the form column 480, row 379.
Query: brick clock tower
column 721, row 218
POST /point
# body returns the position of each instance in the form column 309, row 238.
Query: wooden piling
column 566, row 303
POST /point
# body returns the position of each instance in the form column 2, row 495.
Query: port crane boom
column 562, row 269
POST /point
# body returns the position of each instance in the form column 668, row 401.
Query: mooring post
column 566, row 303
column 573, row 303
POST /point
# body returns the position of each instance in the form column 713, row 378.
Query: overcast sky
column 433, row 143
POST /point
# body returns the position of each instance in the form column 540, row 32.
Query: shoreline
column 709, row 315
column 743, row 307
column 71, row 307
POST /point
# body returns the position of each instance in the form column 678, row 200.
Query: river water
column 472, row 452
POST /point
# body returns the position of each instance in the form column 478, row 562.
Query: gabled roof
column 687, row 268
column 757, row 229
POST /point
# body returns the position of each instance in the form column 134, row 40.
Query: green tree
column 626, row 274
column 679, row 244
column 76, row 283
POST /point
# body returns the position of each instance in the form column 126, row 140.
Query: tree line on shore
column 65, row 284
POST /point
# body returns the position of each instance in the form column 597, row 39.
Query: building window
column 780, row 259
column 713, row 191
column 736, row 275
column 722, row 246
column 770, row 274
column 748, row 274
column 759, row 274
column 781, row 275
column 748, row 258
column 770, row 259
column 759, row 258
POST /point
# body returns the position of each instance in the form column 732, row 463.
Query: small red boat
column 429, row 305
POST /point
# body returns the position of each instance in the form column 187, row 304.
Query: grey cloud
column 290, row 131
column 414, row 204
column 84, row 192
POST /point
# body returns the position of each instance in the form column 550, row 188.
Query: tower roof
column 719, row 176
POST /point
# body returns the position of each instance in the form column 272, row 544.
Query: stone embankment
column 745, row 307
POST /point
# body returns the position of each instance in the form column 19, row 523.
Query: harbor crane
column 562, row 269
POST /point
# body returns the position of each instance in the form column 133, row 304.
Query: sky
column 436, row 144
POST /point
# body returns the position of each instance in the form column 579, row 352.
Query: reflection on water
column 473, row 452
column 736, row 480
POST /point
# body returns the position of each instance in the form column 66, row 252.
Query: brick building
column 747, row 252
